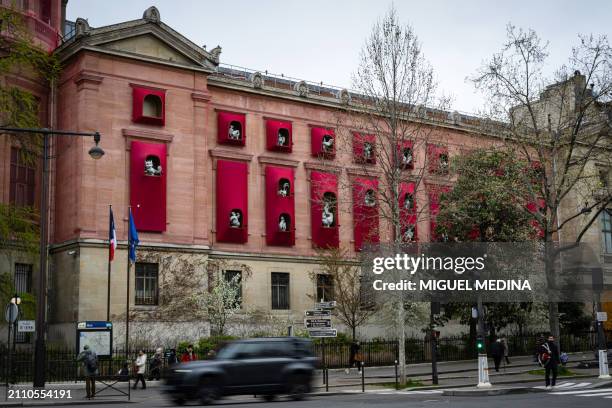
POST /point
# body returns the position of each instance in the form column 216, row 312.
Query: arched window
column 152, row 106
column 369, row 198
column 406, row 157
column 327, row 145
column 283, row 137
column 368, row 151
column 408, row 203
column 152, row 166
column 284, row 223
column 328, row 216
column 235, row 218
column 235, row 130
column 443, row 164
column 284, row 187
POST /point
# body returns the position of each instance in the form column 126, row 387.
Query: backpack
column 91, row 361
column 545, row 355
column 564, row 358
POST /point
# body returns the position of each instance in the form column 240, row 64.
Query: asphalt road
column 391, row 399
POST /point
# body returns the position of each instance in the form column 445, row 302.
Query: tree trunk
column 401, row 343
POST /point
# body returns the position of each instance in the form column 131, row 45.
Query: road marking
column 601, row 394
column 605, row 390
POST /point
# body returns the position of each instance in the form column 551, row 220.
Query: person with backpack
column 89, row 361
column 549, row 359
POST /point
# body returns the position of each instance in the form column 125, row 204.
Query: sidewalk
column 455, row 378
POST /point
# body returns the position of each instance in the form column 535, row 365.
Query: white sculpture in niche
column 152, row 166
column 370, row 198
column 368, row 150
column 408, row 201
column 234, row 131
column 443, row 162
column 235, row 219
column 282, row 138
column 407, row 156
column 328, row 144
column 328, row 215
column 409, row 234
column 284, row 189
column 283, row 223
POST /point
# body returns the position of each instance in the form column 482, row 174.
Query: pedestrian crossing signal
column 480, row 343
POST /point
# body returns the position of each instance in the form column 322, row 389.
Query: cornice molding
column 86, row 80
column 230, row 155
column 147, row 134
column 278, row 161
column 323, row 167
column 356, row 171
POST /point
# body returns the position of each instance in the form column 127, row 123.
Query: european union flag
column 132, row 239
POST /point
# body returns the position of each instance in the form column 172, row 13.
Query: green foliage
column 572, row 318
column 18, row 227
column 486, row 203
column 205, row 344
column 7, row 290
column 563, row 372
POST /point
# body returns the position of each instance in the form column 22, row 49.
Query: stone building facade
column 201, row 153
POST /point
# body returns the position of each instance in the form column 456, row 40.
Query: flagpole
column 108, row 289
column 127, row 302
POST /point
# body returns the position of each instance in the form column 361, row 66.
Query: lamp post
column 95, row 152
column 16, row 300
column 11, row 315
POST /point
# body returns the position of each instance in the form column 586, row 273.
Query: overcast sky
column 320, row 40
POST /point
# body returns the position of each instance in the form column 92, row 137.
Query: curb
column 64, row 402
column 490, row 392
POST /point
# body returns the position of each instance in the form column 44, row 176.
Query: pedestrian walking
column 506, row 350
column 549, row 359
column 189, row 355
column 354, row 357
column 89, row 362
column 156, row 364
column 141, row 366
column 497, row 352
column 172, row 357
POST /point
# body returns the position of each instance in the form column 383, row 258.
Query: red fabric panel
column 232, row 194
column 272, row 129
column 433, row 158
column 434, row 208
column 148, row 193
column 138, row 95
column 316, row 142
column 277, row 204
column 323, row 237
column 358, row 142
column 408, row 216
column 224, row 119
column 365, row 218
column 400, row 150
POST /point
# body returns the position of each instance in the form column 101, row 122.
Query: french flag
column 112, row 237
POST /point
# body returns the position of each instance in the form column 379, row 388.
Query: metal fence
column 61, row 364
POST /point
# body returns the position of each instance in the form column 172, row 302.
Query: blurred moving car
column 262, row 366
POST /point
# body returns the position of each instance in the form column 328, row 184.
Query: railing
column 63, row 367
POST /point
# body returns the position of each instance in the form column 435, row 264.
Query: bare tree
column 560, row 125
column 354, row 305
column 388, row 125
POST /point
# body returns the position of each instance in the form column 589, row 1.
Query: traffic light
column 480, row 344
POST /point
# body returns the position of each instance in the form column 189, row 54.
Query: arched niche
column 328, row 216
column 236, row 218
column 152, row 166
column 234, row 131
column 152, row 106
column 282, row 139
column 284, row 187
column 327, row 143
column 284, row 222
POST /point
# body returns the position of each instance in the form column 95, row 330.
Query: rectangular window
column 325, row 288
column 236, row 278
column 606, row 230
column 23, row 284
column 146, row 283
column 22, row 185
column 280, row 290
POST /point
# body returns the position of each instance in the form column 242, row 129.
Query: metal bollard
column 362, row 377
column 323, row 373
column 396, row 379
column 326, row 380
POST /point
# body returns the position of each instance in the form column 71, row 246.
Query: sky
column 320, row 40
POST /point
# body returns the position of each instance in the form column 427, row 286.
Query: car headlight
column 182, row 371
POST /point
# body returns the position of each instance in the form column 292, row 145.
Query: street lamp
column 40, row 352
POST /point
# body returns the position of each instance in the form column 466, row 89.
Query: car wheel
column 298, row 386
column 269, row 397
column 209, row 390
column 178, row 401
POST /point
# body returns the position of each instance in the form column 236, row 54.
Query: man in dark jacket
column 497, row 352
column 549, row 358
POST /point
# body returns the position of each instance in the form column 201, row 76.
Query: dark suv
column 263, row 366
